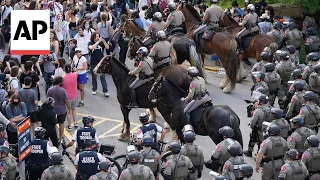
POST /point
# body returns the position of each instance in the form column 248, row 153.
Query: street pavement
column 109, row 118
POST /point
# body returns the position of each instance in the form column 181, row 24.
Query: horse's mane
column 136, row 24
column 193, row 11
column 123, row 66
column 231, row 19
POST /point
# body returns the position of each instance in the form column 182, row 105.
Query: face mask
column 87, row 26
column 8, row 5
column 81, row 35
column 15, row 103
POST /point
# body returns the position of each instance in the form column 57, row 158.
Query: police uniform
column 261, row 84
column 259, row 66
column 311, row 158
column 175, row 19
column 38, row 160
column 195, row 154
column 273, row 81
column 261, row 114
column 152, row 159
column 155, row 27
column 308, row 22
column 294, row 170
column 308, row 70
column 8, row 168
column 87, row 162
column 160, row 53
column 294, row 59
column 277, row 36
column 311, row 114
column 102, row 175
column 284, row 69
column 312, row 44
column 231, row 167
column 298, row 138
column 273, row 150
column 294, row 37
column 144, row 72
column 138, row 171
column 314, row 82
column 250, row 25
column 295, row 104
column 284, row 126
column 178, row 167
column 57, row 172
column 198, row 93
column 149, row 129
column 80, row 135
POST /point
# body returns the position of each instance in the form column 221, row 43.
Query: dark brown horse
column 130, row 28
column 223, row 44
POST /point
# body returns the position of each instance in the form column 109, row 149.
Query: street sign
column 24, row 139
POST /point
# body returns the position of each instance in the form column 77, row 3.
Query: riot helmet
column 277, row 25
column 273, row 130
column 235, row 149
column 312, row 31
column 133, row 157
column 263, row 99
column 226, row 131
column 293, row 154
column 143, row 118
column 262, row 90
column 246, row 170
column 189, row 136
column 313, row 141
column 4, row 150
column 40, row 132
column 143, row 51
column 55, row 158
column 259, row 74
column 309, row 95
column 157, row 16
column 269, row 67
column 297, row 121
column 291, row 49
column 147, row 140
column 104, row 165
column 313, row 56
column 161, row 35
column 277, row 113
column 292, row 25
column 317, row 68
column 87, row 119
column 298, row 85
column 297, row 74
column 265, row 55
column 193, row 71
column 172, row 6
column 174, row 147
column 284, row 55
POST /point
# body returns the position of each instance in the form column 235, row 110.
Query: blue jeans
column 72, row 33
column 48, row 79
column 102, row 79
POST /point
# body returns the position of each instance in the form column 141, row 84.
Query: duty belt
column 213, row 22
column 266, row 160
column 160, row 59
column 314, row 172
column 174, row 26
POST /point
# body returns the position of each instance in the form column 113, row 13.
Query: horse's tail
column 232, row 64
column 195, row 60
column 235, row 125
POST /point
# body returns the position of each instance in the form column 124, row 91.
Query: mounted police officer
column 250, row 24
column 194, row 153
column 311, row 60
column 271, row 153
column 104, row 173
column 312, row 43
column 135, row 171
column 231, row 167
column 277, row 34
column 84, row 133
column 259, row 81
column 144, row 72
column 261, row 113
column 175, row 18
column 87, row 161
column 284, row 68
column 293, row 37
column 311, row 157
column 57, row 171
column 279, row 120
column 160, row 52
column 220, row 154
column 211, row 18
column 150, row 157
column 151, row 129
column 178, row 166
column 273, row 81
column 294, row 168
column 297, row 100
column 310, row 111
column 9, row 164
column 38, row 160
column 294, row 58
column 299, row 136
column 198, row 93
column 156, row 25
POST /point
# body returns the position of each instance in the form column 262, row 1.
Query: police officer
column 211, row 18
column 136, row 171
column 57, row 171
column 156, row 25
column 260, row 66
column 149, row 156
column 314, row 79
column 261, row 114
column 277, row 34
column 297, row 100
column 259, row 81
column 38, row 160
column 178, row 166
column 273, row 81
column 297, row 76
column 194, row 153
column 144, row 72
column 175, row 18
column 271, row 153
column 313, row 42
column 294, row 168
column 220, row 154
column 86, row 132
column 310, row 111
column 307, row 22
column 246, row 171
column 87, row 161
column 293, row 37
column 9, row 164
column 310, row 157
column 311, row 60
column 104, row 173
column 231, row 168
column 299, row 136
column 293, row 57
column 149, row 129
column 250, row 24
column 160, row 52
column 279, row 120
column 284, row 68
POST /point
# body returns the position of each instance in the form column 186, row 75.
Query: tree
column 311, row 5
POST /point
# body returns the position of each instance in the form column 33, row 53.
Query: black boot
column 240, row 48
column 133, row 103
column 196, row 41
column 247, row 153
column 188, row 118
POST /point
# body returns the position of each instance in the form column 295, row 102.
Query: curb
column 214, row 69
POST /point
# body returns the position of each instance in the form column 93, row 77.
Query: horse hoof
column 226, row 90
column 221, row 86
column 124, row 137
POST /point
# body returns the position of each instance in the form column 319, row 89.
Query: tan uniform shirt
column 250, row 22
column 145, row 66
column 147, row 173
column 296, row 138
column 175, row 18
column 156, row 26
column 296, row 102
column 213, row 14
column 197, row 85
column 221, row 150
column 170, row 165
column 57, row 171
column 161, row 49
column 310, row 113
column 287, row 170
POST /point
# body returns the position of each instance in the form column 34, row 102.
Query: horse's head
column 134, row 44
column 105, row 66
column 191, row 15
column 155, row 90
column 149, row 13
column 228, row 21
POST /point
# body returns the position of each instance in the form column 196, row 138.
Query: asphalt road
column 109, row 117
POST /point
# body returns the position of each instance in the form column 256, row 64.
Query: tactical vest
column 273, row 82
column 180, row 168
column 311, row 119
column 304, row 135
column 149, row 159
column 314, row 163
column 193, row 155
column 224, row 157
column 10, row 166
column 284, row 128
column 150, row 129
column 83, row 134
column 314, row 81
column 59, row 174
column 314, row 44
column 88, row 163
column 267, row 114
column 277, row 148
column 297, row 172
column 100, row 177
column 285, row 74
column 236, row 166
column 294, row 38
column 39, row 154
column 136, row 175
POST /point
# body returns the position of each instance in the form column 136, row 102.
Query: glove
column 199, row 174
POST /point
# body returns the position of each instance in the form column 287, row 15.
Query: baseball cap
column 67, row 68
column 77, row 49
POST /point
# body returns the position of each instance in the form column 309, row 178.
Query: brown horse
column 223, row 44
column 130, row 28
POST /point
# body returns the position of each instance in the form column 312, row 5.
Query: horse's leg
column 227, row 88
column 125, row 133
column 223, row 82
column 240, row 73
column 153, row 115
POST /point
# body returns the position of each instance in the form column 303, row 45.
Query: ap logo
column 30, row 32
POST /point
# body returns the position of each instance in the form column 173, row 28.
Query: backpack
column 9, row 84
column 149, row 159
column 163, row 4
column 180, row 168
column 6, row 31
column 267, row 114
column 57, row 175
column 193, row 155
column 136, row 175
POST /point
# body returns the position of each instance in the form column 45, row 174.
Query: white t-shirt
column 82, row 43
column 80, row 64
column 14, row 83
column 59, row 72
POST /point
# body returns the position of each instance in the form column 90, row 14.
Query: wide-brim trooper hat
column 264, row 16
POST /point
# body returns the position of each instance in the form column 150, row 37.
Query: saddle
column 197, row 113
column 143, row 90
column 209, row 33
column 245, row 41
